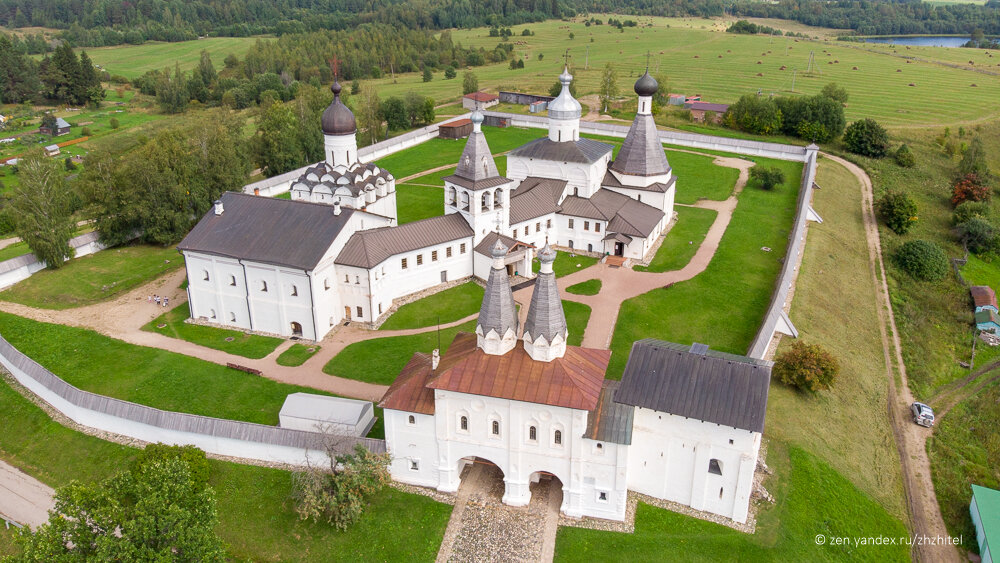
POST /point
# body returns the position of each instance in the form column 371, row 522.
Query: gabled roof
column 705, row 106
column 983, row 296
column 611, row 181
column 481, row 96
column 573, row 381
column 409, row 392
column 702, row 384
column 264, row 229
column 366, row 249
column 456, row 123
column 61, row 123
column 988, row 508
column 535, row 197
column 610, row 421
column 642, row 151
column 583, row 150
column 623, row 214
column 485, row 246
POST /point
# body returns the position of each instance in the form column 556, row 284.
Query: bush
column 807, row 367
column 767, row 177
column 867, row 138
column 978, row 235
column 904, row 157
column 85, row 132
column 898, row 211
column 194, row 457
column 339, row 494
column 114, row 123
column 922, row 259
column 449, row 73
column 969, row 188
column 969, row 209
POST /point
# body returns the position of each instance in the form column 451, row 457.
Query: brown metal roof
column 485, row 246
column 409, row 392
column 482, row 96
column 535, row 197
column 264, row 229
column 696, row 383
column 366, row 249
column 573, row 381
column 456, row 123
column 983, row 296
column 477, row 184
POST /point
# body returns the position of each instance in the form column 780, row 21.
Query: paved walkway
column 23, row 498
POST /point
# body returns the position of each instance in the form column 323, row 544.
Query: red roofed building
column 984, row 298
column 480, row 100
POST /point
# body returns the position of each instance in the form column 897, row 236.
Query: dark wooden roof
column 365, row 249
column 573, row 381
column 983, row 296
column 610, row 421
column 710, row 386
column 269, row 230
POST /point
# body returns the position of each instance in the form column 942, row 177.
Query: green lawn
column 965, row 450
column 14, row 250
column 133, row 60
column 256, row 519
column 694, row 310
column 577, row 315
column 683, row 240
column 414, row 203
column 982, row 271
column 296, row 355
column 94, row 278
column 699, row 178
column 284, row 195
column 443, row 307
column 440, row 152
column 230, row 341
column 812, row 500
column 566, row 263
column 589, row 287
column 148, row 376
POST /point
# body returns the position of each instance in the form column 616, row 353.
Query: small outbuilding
column 987, row 320
column 984, row 297
column 480, row 100
column 52, row 150
column 496, row 121
column 458, row 129
column 676, row 99
column 321, row 413
column 700, row 109
column 538, row 106
column 985, row 512
column 62, row 128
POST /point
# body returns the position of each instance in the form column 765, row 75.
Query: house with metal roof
column 987, row 320
column 983, row 297
column 683, row 424
column 985, row 511
column 479, row 100
column 61, row 128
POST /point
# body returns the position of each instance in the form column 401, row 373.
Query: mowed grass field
column 131, row 61
column 722, row 66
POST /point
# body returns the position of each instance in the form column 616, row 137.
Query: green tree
column 415, row 104
column 41, row 208
column 969, row 209
column 276, row 146
column 90, row 83
column 171, row 91
column 427, row 112
column 978, row 235
column 156, row 513
column 356, row 85
column 767, row 177
column 904, row 156
column 922, row 259
column 449, row 73
column 470, row 83
column 754, row 114
column 339, row 493
column 369, row 113
column 113, row 122
column 898, row 210
column 206, row 70
column 808, row 367
column 427, row 76
column 609, row 85
column 556, row 88
column 18, row 74
column 835, row 92
column 974, row 161
column 394, row 112
column 49, row 122
column 221, row 158
column 867, row 138
column 310, row 102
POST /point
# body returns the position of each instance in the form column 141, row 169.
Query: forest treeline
column 94, row 23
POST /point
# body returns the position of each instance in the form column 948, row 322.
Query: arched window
column 714, row 467
column 232, row 317
column 467, row 160
column 232, row 280
column 295, row 291
column 576, row 191
column 204, row 275
column 263, row 286
column 496, row 427
column 532, row 433
column 211, row 313
column 411, row 419
column 326, row 283
column 558, row 437
column 463, row 423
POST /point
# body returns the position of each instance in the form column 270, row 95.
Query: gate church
column 336, row 252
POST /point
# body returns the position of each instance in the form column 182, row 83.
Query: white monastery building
column 336, row 252
column 684, row 423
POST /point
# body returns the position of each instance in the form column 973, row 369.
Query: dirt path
column 911, row 440
column 23, row 498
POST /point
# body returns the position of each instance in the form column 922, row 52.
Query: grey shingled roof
column 714, row 387
column 366, row 249
column 623, row 214
column 535, row 197
column 610, row 421
column 642, row 152
column 485, row 246
column 584, row 150
column 498, row 312
column 264, row 229
column 611, row 181
column 476, row 162
column 545, row 314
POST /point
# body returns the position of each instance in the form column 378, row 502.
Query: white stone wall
column 582, row 179
column 671, row 455
column 412, row 447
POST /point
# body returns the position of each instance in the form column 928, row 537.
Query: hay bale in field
column 696, row 56
column 974, row 85
column 854, row 68
column 836, row 61
column 783, row 67
column 759, row 62
column 899, row 70
column 720, row 56
column 911, row 84
column 760, row 74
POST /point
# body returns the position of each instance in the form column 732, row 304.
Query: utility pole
column 586, row 61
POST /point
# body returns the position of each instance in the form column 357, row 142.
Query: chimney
column 336, row 207
column 256, row 191
column 218, row 207
column 435, row 358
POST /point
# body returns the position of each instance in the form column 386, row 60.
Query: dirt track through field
column 911, row 440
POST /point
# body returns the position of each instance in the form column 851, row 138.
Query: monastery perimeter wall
column 21, row 267
column 217, row 436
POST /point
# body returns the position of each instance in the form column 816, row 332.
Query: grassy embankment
column 296, row 355
column 231, row 341
column 131, row 61
column 589, row 287
column 443, row 307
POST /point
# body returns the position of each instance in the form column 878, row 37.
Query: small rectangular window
column 434, row 255
column 496, row 428
column 447, row 252
column 548, row 223
column 538, row 227
column 404, row 263
column 461, row 248
column 414, row 465
column 361, row 312
column 571, row 223
column 602, row 496
column 597, row 227
column 420, row 259
column 586, row 225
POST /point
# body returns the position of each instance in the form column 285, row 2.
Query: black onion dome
column 338, row 119
column 646, row 85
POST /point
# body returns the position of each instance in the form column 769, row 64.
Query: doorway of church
column 619, row 249
column 482, row 476
column 347, row 313
column 296, row 329
column 546, row 490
